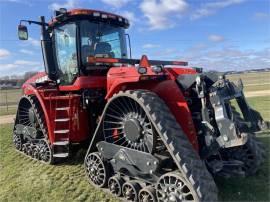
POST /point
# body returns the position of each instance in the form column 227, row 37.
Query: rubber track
column 258, row 150
column 176, row 142
column 41, row 121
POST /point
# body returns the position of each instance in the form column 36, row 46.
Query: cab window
column 66, row 53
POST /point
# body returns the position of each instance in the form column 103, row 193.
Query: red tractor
column 156, row 130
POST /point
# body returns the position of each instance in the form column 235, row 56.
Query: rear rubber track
column 42, row 125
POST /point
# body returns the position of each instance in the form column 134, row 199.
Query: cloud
column 25, row 51
column 261, row 16
column 116, row 3
column 31, row 41
column 4, row 53
column 20, row 67
column 215, row 38
column 130, row 16
column 68, row 5
column 150, row 46
column 227, row 59
column 211, row 8
column 18, row 1
column 158, row 12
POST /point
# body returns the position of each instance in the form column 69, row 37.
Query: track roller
column 17, row 140
column 115, row 185
column 97, row 170
column 131, row 190
column 147, row 194
column 173, row 187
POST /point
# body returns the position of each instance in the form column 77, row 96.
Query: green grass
column 262, row 105
column 10, row 96
column 251, row 78
column 4, row 110
column 254, row 188
column 23, row 179
column 9, row 100
column 253, row 81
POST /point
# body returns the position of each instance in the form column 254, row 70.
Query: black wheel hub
column 132, row 129
column 127, row 124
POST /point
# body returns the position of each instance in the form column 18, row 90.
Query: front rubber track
column 177, row 143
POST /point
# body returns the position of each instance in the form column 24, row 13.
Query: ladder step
column 62, row 108
column 61, row 131
column 62, row 120
column 61, row 143
column 60, row 155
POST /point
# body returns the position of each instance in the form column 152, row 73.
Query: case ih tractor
column 156, row 130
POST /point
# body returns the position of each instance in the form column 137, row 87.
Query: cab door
column 66, row 53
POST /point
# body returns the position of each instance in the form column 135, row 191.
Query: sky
column 220, row 35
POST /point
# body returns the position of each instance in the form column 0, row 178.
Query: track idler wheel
column 131, row 190
column 147, row 194
column 115, row 185
column 173, row 187
column 97, row 170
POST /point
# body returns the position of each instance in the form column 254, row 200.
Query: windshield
column 102, row 40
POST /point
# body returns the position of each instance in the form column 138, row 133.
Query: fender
column 168, row 90
column 118, row 78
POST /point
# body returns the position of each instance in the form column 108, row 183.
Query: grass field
column 23, row 179
column 9, row 100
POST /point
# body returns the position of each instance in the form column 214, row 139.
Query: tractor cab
column 74, row 36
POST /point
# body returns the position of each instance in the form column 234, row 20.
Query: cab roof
column 63, row 15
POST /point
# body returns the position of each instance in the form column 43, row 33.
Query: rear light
column 142, row 70
column 96, row 14
column 104, row 16
column 157, row 69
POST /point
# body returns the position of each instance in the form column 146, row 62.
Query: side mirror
column 22, row 32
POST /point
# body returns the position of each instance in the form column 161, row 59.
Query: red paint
column 117, row 78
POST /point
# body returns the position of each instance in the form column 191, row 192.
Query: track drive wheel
column 115, row 185
column 131, row 190
column 147, row 194
column 252, row 154
column 96, row 170
column 173, row 187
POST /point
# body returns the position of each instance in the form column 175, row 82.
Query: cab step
column 62, row 120
column 61, row 155
column 61, row 143
column 62, row 108
column 61, row 131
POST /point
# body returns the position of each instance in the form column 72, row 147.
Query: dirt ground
column 7, row 119
column 257, row 93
